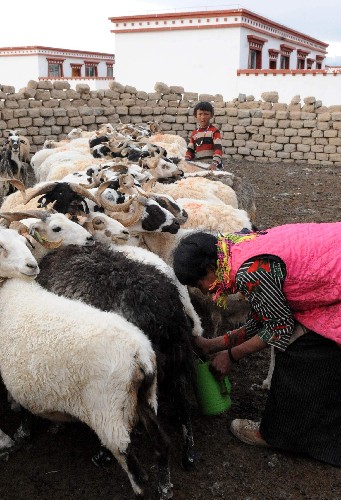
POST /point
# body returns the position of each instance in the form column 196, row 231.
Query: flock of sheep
column 103, row 331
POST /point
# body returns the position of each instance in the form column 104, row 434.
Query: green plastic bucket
column 213, row 395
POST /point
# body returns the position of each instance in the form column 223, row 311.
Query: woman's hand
column 201, row 344
column 220, row 364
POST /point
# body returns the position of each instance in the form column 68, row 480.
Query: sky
column 80, row 25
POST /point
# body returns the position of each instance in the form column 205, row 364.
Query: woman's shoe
column 248, row 432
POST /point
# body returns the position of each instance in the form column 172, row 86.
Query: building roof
column 214, row 19
column 39, row 50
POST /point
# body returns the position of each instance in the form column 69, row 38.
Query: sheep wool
column 63, row 356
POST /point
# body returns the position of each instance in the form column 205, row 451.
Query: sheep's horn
column 83, row 192
column 46, row 188
column 113, row 207
column 15, row 216
column 94, row 184
column 128, row 218
column 142, row 192
column 18, row 184
column 51, row 245
column 117, row 168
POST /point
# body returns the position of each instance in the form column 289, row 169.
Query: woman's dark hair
column 203, row 106
column 194, row 257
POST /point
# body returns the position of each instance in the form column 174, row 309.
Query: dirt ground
column 57, row 466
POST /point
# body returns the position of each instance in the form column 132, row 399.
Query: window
column 91, row 69
column 110, row 70
column 310, row 63
column 285, row 62
column 255, row 59
column 273, row 56
column 300, row 63
column 55, row 68
column 286, row 51
column 319, row 60
column 301, row 57
column 76, row 70
column 255, row 51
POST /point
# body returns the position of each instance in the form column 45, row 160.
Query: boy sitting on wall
column 205, row 142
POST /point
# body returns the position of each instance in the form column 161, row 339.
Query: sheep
column 47, row 231
column 205, row 215
column 175, row 145
column 202, row 215
column 16, row 261
column 112, row 197
column 64, row 196
column 141, row 214
column 242, row 187
column 50, row 148
column 58, row 159
column 14, row 160
column 63, row 359
column 105, row 229
column 198, row 188
column 22, row 144
column 145, row 296
column 145, row 256
column 144, row 215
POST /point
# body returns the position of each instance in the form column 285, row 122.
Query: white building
column 221, row 52
column 18, row 65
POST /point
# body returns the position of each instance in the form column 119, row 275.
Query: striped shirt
column 261, row 281
column 205, row 145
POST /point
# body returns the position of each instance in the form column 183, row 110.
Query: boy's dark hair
column 194, row 257
column 203, row 106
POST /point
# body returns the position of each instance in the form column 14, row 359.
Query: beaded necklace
column 223, row 281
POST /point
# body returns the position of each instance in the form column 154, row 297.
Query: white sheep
column 175, row 145
column 63, row 358
column 203, row 215
column 242, row 186
column 60, row 158
column 81, row 145
column 198, row 188
column 47, row 231
column 105, row 229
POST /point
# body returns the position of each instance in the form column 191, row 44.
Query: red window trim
column 58, row 61
column 286, row 50
column 273, row 54
column 302, row 54
column 256, row 42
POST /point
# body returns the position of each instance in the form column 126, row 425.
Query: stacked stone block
column 259, row 131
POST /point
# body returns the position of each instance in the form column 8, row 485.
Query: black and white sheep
column 147, row 298
column 14, row 160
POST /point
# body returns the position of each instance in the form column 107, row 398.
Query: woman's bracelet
column 231, row 357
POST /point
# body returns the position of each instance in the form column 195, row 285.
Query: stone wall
column 260, row 131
